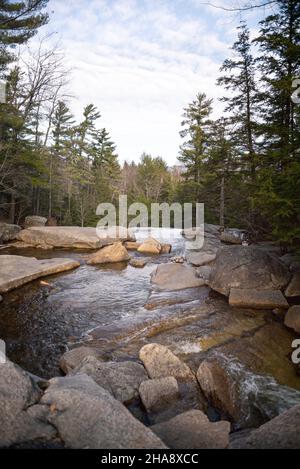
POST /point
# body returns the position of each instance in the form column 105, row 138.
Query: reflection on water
column 38, row 322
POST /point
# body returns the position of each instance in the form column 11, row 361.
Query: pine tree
column 19, row 21
column 86, row 131
column 152, row 179
column 106, row 167
column 219, row 174
column 62, row 123
column 193, row 152
column 278, row 196
column 59, row 153
column 239, row 79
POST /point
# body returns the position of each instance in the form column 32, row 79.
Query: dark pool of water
column 38, row 322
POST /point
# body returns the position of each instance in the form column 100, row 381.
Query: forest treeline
column 244, row 166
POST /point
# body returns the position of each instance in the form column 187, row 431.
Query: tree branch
column 246, row 8
column 30, row 8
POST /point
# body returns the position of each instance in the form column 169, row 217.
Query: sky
column 141, row 62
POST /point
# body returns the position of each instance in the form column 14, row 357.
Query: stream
column 39, row 323
column 113, row 309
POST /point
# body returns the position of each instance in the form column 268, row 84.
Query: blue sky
column 141, row 62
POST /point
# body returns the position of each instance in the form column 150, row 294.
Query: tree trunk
column 50, row 186
column 12, row 209
column 222, row 203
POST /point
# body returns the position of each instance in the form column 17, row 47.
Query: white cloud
column 141, row 63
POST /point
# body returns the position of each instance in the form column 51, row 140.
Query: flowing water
column 113, row 309
column 38, row 323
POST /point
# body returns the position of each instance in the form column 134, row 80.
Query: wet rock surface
column 281, row 432
column 139, row 263
column 15, row 271
column 175, row 277
column 73, row 358
column 247, row 399
column 110, row 254
column 193, row 430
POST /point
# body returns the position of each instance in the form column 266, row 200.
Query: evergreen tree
column 86, row 131
column 219, row 173
column 19, row 21
column 59, row 154
column 152, row 179
column 278, row 196
column 239, row 79
column 193, row 152
column 106, row 166
column 62, row 124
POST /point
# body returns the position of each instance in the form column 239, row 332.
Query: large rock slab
column 71, row 237
column 282, row 432
column 61, row 237
column 88, row 417
column 20, row 420
column 73, row 358
column 8, row 232
column 193, row 430
column 293, row 288
column 292, row 318
column 16, row 271
column 257, row 299
column 160, row 362
column 248, row 399
column 110, row 254
column 121, row 379
column 247, row 267
column 175, row 277
column 158, row 394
